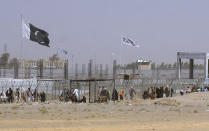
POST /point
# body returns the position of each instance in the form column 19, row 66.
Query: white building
column 144, row 64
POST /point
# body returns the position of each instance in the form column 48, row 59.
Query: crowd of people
column 71, row 95
column 195, row 89
column 158, row 92
column 166, row 91
column 103, row 94
column 17, row 96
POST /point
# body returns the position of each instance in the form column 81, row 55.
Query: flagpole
column 21, row 17
column 120, row 52
column 72, row 62
column 57, row 51
column 72, row 56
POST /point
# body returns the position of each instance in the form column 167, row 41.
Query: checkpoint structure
column 192, row 57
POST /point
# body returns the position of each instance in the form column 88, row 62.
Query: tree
column 162, row 65
column 12, row 62
column 131, row 65
column 169, row 66
column 4, row 59
column 153, row 66
column 185, row 65
column 174, row 65
column 54, row 57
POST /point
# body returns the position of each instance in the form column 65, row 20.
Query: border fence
column 90, row 88
column 54, row 81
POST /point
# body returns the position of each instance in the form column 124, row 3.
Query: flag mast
column 120, row 53
column 21, row 17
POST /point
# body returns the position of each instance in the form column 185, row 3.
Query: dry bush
column 188, row 106
column 87, row 110
column 167, row 102
column 195, row 111
column 93, row 116
column 142, row 109
column 43, row 110
column 120, row 110
column 86, row 117
column 175, row 109
column 131, row 109
column 59, row 110
column 15, row 107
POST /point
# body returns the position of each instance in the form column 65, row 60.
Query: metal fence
column 90, row 88
column 54, row 81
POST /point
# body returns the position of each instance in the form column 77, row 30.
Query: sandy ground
column 188, row 113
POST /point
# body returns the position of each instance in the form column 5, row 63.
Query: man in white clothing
column 76, row 93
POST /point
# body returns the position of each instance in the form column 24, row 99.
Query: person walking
column 29, row 95
column 9, row 95
column 17, row 95
column 132, row 92
column 76, row 93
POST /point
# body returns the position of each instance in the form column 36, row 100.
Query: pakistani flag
column 35, row 34
column 129, row 42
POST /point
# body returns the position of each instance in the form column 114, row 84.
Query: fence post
column 4, row 71
column 15, row 68
column 114, row 69
column 66, row 70
column 96, row 70
column 29, row 72
column 106, row 71
column 51, row 68
column 83, row 70
column 41, row 68
column 76, row 71
column 134, row 68
column 101, row 71
column 114, row 73
column 26, row 72
column 90, row 69
column 89, row 77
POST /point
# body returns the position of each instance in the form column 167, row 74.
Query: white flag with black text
column 129, row 42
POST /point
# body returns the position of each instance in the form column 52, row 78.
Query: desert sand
column 188, row 113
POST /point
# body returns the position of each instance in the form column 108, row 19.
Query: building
column 47, row 64
column 144, row 64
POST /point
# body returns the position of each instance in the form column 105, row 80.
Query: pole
column 72, row 62
column 120, row 53
column 21, row 49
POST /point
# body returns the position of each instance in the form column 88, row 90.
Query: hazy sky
column 93, row 28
